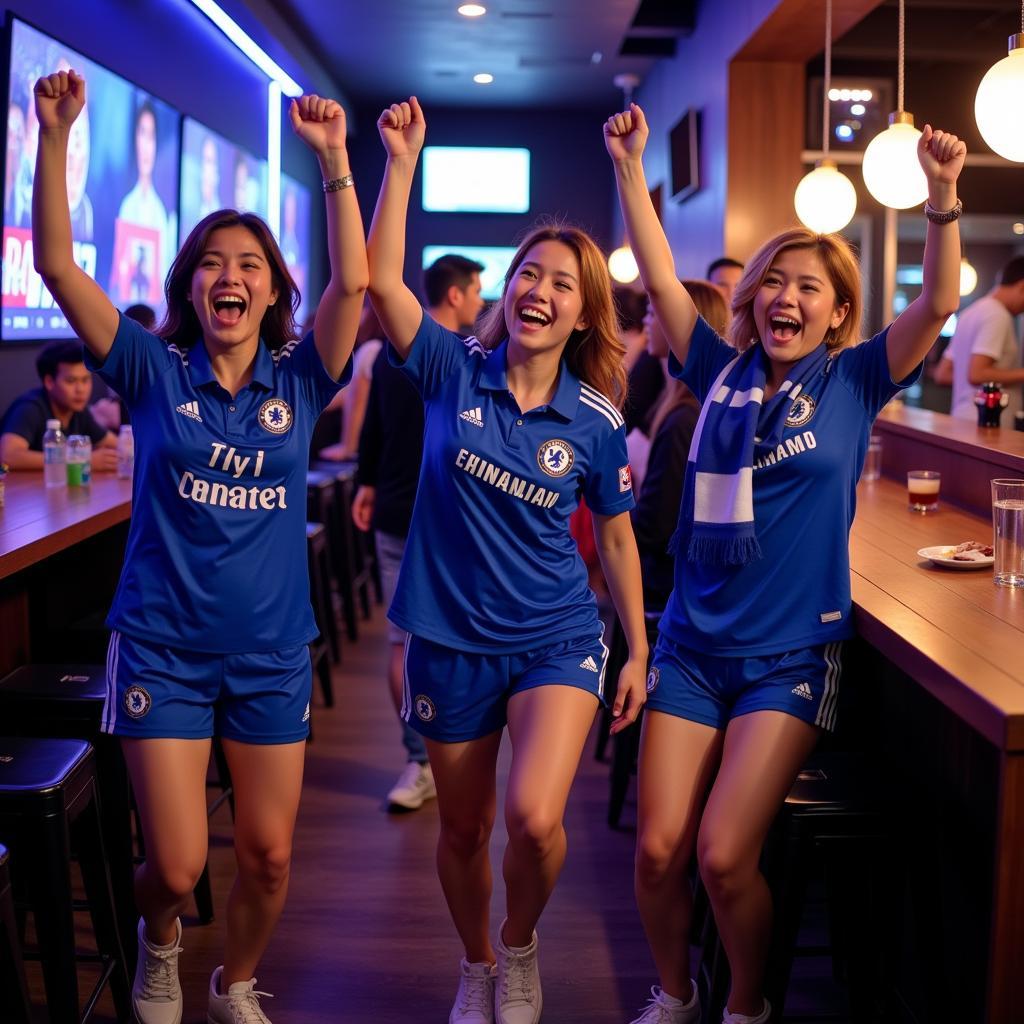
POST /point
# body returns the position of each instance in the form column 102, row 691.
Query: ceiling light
column 622, row 265
column 825, row 199
column 968, row 277
column 858, row 108
column 892, row 172
column 833, row 94
column 1018, row 228
column 472, row 10
column 999, row 104
column 483, row 78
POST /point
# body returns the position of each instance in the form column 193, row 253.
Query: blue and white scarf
column 716, row 518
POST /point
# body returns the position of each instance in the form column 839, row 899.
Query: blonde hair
column 710, row 302
column 840, row 265
column 595, row 353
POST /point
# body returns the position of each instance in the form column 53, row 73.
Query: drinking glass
column 1008, row 532
column 923, row 490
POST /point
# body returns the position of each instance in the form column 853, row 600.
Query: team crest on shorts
column 800, row 411
column 137, row 701
column 275, row 415
column 652, row 679
column 555, row 457
column 425, row 709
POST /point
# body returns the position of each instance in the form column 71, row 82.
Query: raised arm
column 625, row 136
column 59, row 99
column 320, row 123
column 915, row 330
column 402, row 130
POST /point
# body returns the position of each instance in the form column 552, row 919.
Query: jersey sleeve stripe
column 284, row 351
column 597, row 400
column 615, row 421
column 474, row 346
column 183, row 356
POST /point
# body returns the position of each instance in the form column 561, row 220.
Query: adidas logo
column 589, row 664
column 472, row 416
column 803, row 690
column 191, row 410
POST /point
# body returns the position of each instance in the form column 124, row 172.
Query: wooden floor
column 365, row 936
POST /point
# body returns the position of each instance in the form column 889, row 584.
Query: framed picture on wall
column 684, row 155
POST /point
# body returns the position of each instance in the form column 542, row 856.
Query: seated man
column 64, row 396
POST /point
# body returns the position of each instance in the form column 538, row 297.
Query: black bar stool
column 48, row 801
column 320, row 593
column 14, row 1005
column 322, row 507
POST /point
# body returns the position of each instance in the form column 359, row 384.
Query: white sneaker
column 414, row 786
column 239, row 1005
column 156, row 994
column 517, row 996
column 663, row 1009
column 474, row 1002
column 742, row 1018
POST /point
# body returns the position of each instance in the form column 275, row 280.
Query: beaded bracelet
column 943, row 216
column 337, row 184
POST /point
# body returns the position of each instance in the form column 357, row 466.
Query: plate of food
column 971, row 554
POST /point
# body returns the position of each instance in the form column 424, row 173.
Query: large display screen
column 495, row 259
column 294, row 238
column 475, row 179
column 122, row 181
column 216, row 175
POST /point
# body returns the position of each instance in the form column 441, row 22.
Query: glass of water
column 1008, row 530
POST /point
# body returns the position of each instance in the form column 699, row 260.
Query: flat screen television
column 122, row 178
column 684, row 155
column 476, row 179
column 495, row 259
column 294, row 237
column 217, row 174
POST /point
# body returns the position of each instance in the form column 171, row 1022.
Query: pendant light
column 825, row 199
column 999, row 104
column 891, row 169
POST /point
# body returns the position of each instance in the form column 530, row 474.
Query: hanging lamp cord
column 828, row 79
column 899, row 80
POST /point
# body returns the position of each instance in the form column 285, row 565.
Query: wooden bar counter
column 946, row 675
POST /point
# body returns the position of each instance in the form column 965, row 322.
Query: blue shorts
column 711, row 689
column 452, row 696
column 157, row 691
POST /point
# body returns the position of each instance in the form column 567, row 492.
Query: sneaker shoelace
column 160, row 974
column 475, row 994
column 245, row 1007
column 517, row 980
column 656, row 1012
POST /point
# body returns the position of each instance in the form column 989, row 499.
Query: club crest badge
column 275, row 415
column 137, row 701
column 801, row 411
column 425, row 709
column 555, row 457
column 653, row 678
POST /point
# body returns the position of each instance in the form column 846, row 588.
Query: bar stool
column 320, row 592
column 14, row 1005
column 48, row 798
column 321, row 507
column 832, row 818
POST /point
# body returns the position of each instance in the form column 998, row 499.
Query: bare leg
column 169, row 780
column 548, row 726
column 464, row 774
column 267, row 780
column 763, row 753
column 677, row 761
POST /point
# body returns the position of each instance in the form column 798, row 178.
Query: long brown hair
column 840, row 264
column 595, row 353
column 180, row 325
column 710, row 302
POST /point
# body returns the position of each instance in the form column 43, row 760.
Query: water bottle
column 125, row 453
column 54, row 454
column 79, row 463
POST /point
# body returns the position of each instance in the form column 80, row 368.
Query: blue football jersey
column 490, row 564
column 805, row 496
column 216, row 555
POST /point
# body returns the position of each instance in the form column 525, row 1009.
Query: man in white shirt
column 985, row 347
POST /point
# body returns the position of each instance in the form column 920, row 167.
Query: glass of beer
column 923, row 490
column 1008, row 532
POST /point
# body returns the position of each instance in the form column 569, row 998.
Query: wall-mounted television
column 495, row 259
column 122, row 187
column 217, row 174
column 476, row 179
column 684, row 155
column 294, row 237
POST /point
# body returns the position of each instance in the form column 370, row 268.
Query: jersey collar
column 201, row 370
column 566, row 400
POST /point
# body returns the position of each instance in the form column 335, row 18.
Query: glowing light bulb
column 968, row 277
column 825, row 199
column 891, row 169
column 622, row 265
column 999, row 103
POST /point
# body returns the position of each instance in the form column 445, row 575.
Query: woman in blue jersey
column 519, row 424
column 744, row 675
column 211, row 619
